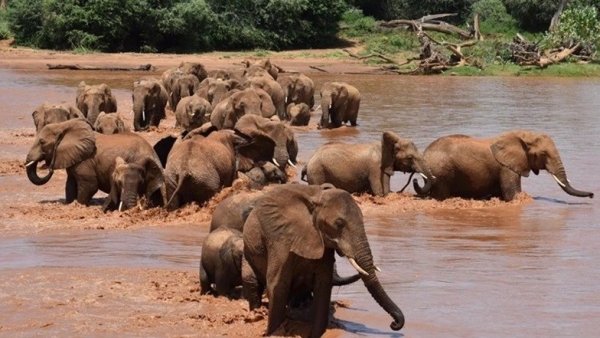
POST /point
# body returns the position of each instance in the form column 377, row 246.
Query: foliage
column 578, row 24
column 532, row 15
column 356, row 24
column 493, row 17
column 5, row 32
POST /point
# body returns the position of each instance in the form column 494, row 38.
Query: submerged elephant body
column 295, row 230
column 468, row 167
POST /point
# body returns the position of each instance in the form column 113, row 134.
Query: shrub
column 578, row 24
column 493, row 17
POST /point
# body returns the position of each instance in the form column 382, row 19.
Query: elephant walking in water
column 469, row 167
column 340, row 103
column 91, row 100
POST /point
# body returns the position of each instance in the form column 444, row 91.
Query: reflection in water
column 525, row 271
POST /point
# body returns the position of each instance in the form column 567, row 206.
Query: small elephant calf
column 109, row 124
column 221, row 262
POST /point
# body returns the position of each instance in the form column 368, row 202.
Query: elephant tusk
column 275, row 161
column 131, row 112
column 558, row 181
column 121, row 206
column 330, row 106
column 377, row 268
column 30, row 163
column 143, row 115
column 357, row 267
column 291, row 163
column 425, row 176
column 285, row 100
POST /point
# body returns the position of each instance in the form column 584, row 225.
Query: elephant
column 192, row 112
column 273, row 88
column 221, row 262
column 295, row 230
column 225, row 75
column 214, row 90
column 195, row 68
column 286, row 146
column 257, row 67
column 478, row 168
column 340, row 103
column 110, row 124
column 298, row 88
column 89, row 159
column 149, row 102
column 238, row 103
column 130, row 181
column 265, row 174
column 91, row 100
column 299, row 114
column 359, row 168
column 182, row 85
column 48, row 113
column 199, row 167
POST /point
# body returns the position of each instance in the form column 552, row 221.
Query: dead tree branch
column 147, row 67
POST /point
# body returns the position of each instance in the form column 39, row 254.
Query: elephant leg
column 70, row 189
column 205, row 287
column 86, row 189
column 322, row 295
column 380, row 183
column 222, row 282
column 510, row 185
column 251, row 287
column 278, row 290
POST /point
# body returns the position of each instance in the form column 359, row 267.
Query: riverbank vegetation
column 486, row 43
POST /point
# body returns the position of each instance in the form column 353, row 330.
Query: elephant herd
column 282, row 239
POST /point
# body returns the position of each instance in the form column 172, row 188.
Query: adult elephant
column 295, row 231
column 195, row 68
column 149, row 102
column 182, row 85
column 298, row 88
column 192, row 112
column 199, row 167
column 48, row 113
column 214, row 90
column 273, row 88
column 340, row 103
column 286, row 146
column 252, row 68
column 89, row 159
column 469, row 167
column 236, row 104
column 221, row 262
column 91, row 100
column 110, row 124
column 359, row 168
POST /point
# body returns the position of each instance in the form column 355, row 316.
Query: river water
column 528, row 270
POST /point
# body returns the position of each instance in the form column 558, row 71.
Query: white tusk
column 275, row 161
column 285, row 99
column 377, row 268
column 558, row 181
column 330, row 106
column 30, row 163
column 424, row 176
column 291, row 163
column 131, row 112
column 121, row 206
column 143, row 115
column 357, row 267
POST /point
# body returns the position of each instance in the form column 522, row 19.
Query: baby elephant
column 299, row 114
column 221, row 262
column 109, row 124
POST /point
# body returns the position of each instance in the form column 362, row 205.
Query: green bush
column 5, row 32
column 493, row 17
column 357, row 24
column 579, row 24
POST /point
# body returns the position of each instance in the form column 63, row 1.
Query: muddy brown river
column 466, row 269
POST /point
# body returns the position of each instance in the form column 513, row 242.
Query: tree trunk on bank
column 555, row 19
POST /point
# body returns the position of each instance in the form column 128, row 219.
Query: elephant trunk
column 426, row 187
column 140, row 118
column 94, row 109
column 421, row 168
column 364, row 259
column 31, row 168
column 128, row 199
column 560, row 176
column 325, row 106
column 341, row 281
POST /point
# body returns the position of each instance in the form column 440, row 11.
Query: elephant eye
column 339, row 223
column 42, row 141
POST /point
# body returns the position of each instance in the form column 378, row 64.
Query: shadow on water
column 363, row 330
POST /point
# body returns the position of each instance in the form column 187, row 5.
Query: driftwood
column 319, row 69
column 430, row 23
column 526, row 53
column 374, row 54
column 147, row 67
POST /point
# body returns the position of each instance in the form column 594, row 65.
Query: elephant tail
column 303, row 174
column 174, row 194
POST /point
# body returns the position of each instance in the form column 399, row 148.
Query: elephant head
column 195, row 68
column 238, row 104
column 60, row 145
column 91, row 100
column 131, row 180
column 48, row 113
column 398, row 154
column 264, row 174
column 334, row 98
column 196, row 112
column 286, row 146
column 145, row 95
column 308, row 224
column 184, row 85
column 109, row 124
column 299, row 114
column 218, row 88
column 261, row 68
column 525, row 151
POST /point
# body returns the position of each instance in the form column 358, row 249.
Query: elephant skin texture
column 221, row 262
column 109, row 124
column 91, row 100
column 299, row 114
column 360, row 168
column 469, row 167
column 295, row 230
column 149, row 102
column 199, row 167
column 340, row 103
column 262, row 67
column 234, row 105
column 298, row 88
column 48, row 113
column 232, row 211
column 192, row 112
column 214, row 90
column 89, row 159
column 275, row 92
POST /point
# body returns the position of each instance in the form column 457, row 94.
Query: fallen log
column 147, row 67
column 374, row 54
column 429, row 25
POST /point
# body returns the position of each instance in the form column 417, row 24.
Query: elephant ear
column 163, row 148
column 112, row 200
column 121, row 124
column 106, row 89
column 74, row 112
column 287, row 218
column 155, row 90
column 78, row 143
column 38, row 117
column 252, row 146
column 154, row 178
column 388, row 152
column 511, row 152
